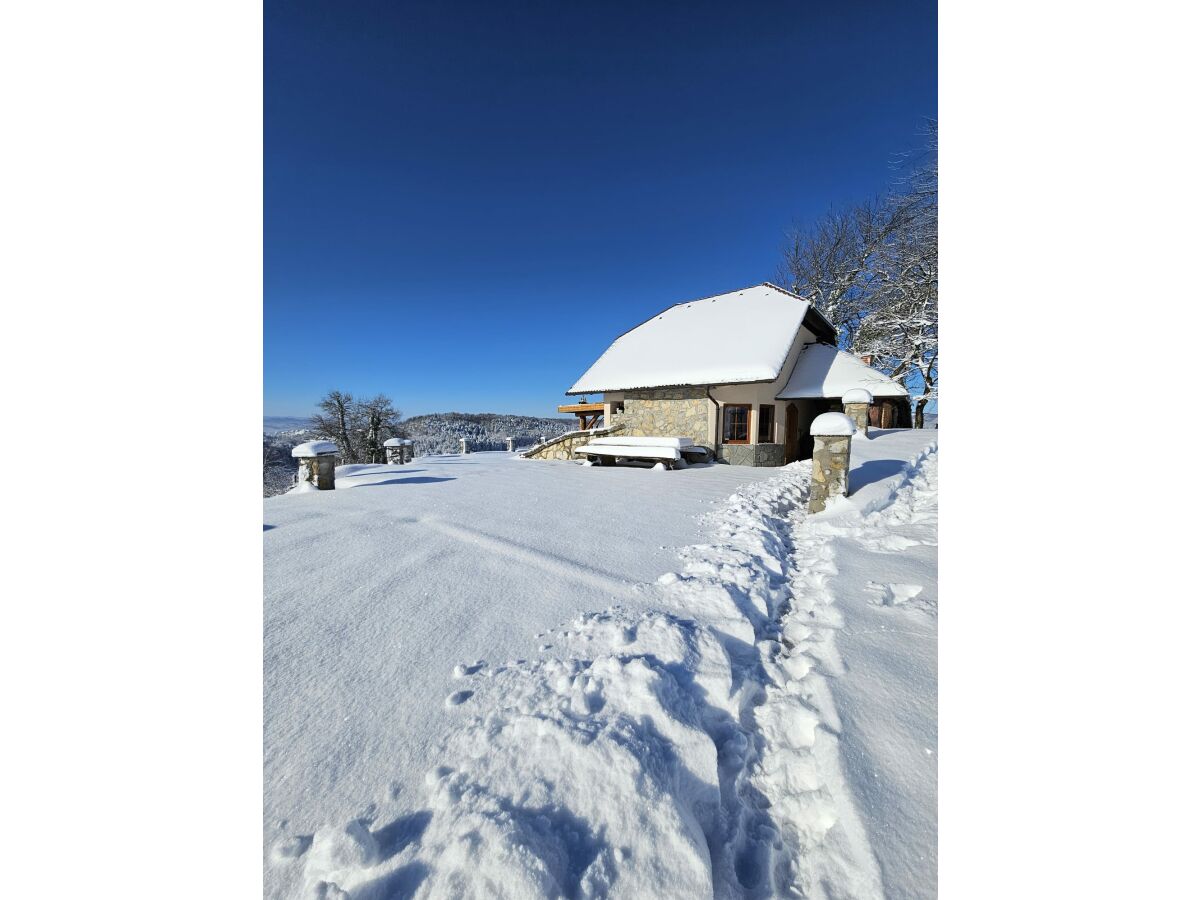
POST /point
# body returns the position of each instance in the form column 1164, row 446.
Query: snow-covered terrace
column 413, row 601
column 374, row 591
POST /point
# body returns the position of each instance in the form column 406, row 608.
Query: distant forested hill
column 439, row 432
column 433, row 433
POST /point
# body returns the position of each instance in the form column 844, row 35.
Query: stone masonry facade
column 667, row 412
column 751, row 454
column 664, row 412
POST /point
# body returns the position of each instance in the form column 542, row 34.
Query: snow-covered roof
column 825, row 371
column 731, row 338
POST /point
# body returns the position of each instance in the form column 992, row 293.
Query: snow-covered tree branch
column 872, row 270
column 358, row 427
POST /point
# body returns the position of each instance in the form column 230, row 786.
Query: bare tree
column 901, row 331
column 835, row 263
column 872, row 269
column 380, row 421
column 358, row 427
column 337, row 420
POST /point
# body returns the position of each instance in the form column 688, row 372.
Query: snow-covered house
column 743, row 373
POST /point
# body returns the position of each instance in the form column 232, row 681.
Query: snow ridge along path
column 687, row 749
column 801, row 769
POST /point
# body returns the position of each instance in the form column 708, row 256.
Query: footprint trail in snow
column 689, row 750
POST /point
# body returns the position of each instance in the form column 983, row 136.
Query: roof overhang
column 824, row 371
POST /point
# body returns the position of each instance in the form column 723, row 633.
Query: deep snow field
column 488, row 676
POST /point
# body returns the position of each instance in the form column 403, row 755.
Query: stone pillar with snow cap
column 316, row 463
column 856, row 403
column 462, row 446
column 511, row 443
column 394, row 448
column 831, row 433
column 409, row 452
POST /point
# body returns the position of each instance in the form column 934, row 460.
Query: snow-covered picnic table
column 672, row 452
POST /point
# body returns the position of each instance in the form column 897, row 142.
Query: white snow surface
column 676, row 442
column 833, row 423
column 718, row 697
column 857, row 395
column 727, row 339
column 825, row 371
column 314, row 448
column 394, row 442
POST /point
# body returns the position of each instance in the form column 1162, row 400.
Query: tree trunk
column 919, row 414
column 347, row 446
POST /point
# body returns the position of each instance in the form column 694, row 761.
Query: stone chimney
column 869, row 359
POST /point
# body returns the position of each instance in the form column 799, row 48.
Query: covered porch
column 589, row 414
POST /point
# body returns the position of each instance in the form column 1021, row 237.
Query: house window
column 737, row 423
column 766, row 424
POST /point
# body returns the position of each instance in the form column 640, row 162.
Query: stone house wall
column 751, row 454
column 668, row 412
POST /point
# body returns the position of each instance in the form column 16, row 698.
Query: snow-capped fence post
column 855, row 403
column 462, row 446
column 511, row 443
column 409, row 452
column 316, row 463
column 394, row 448
column 831, row 433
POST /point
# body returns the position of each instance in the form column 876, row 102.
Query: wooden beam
column 581, row 407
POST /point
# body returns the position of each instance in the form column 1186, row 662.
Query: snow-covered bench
column 671, row 452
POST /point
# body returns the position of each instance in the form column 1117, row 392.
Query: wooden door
column 791, row 441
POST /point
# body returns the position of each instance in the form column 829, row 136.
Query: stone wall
column 751, row 454
column 563, row 446
column 667, row 412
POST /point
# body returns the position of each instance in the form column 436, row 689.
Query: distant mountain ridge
column 276, row 424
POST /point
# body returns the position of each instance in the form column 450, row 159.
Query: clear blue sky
column 466, row 202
